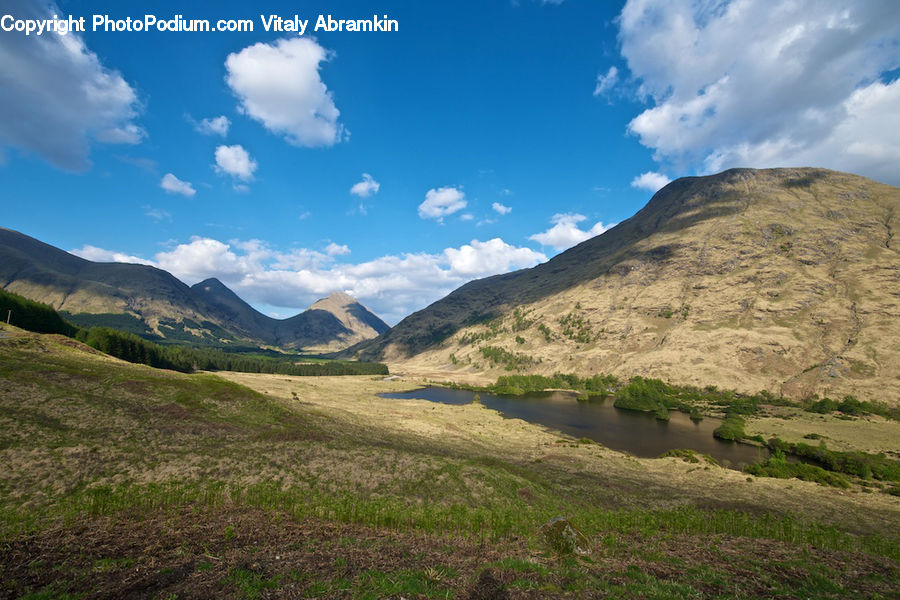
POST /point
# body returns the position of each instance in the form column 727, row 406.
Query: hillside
column 778, row 279
column 123, row 481
column 151, row 302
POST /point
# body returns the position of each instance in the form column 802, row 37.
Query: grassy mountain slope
column 120, row 480
column 151, row 302
column 780, row 279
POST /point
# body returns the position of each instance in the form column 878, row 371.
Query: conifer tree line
column 41, row 318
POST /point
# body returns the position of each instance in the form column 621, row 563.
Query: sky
column 480, row 137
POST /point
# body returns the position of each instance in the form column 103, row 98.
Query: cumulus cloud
column 333, row 249
column 213, row 126
column 651, row 181
column 501, row 209
column 96, row 254
column 280, row 86
column 606, row 82
column 752, row 83
column 235, row 161
column 493, row 256
column 393, row 285
column 442, row 202
column 173, row 185
column 565, row 232
column 366, row 187
column 57, row 96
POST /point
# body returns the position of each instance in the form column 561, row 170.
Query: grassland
column 121, row 480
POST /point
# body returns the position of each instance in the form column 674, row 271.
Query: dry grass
column 868, row 434
column 756, row 282
column 162, row 464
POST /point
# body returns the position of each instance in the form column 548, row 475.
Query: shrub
column 778, row 466
column 731, row 429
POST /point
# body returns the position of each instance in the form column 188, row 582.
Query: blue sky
column 485, row 136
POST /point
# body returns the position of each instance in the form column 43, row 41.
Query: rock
column 565, row 538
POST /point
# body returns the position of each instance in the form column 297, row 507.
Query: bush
column 778, row 466
column 511, row 361
column 731, row 429
column 648, row 395
column 858, row 464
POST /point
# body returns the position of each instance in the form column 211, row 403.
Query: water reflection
column 638, row 433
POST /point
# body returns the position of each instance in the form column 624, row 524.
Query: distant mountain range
column 153, row 303
column 778, row 279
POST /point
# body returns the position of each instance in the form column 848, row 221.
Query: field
column 120, row 480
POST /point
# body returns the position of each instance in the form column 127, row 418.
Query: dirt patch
column 242, row 552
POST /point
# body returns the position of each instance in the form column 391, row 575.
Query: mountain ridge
column 778, row 279
column 152, row 302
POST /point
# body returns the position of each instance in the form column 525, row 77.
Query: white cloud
column 479, row 259
column 467, row 217
column 333, row 249
column 651, row 181
column 605, row 83
column 128, row 133
column 235, row 161
column 57, row 96
column 173, row 185
column 752, row 83
column 500, row 209
column 214, row 126
column 280, row 86
column 366, row 187
column 157, row 214
column 393, row 285
column 442, row 202
column 565, row 232
column 95, row 254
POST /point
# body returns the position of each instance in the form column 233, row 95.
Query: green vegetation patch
column 851, row 406
column 778, row 466
column 857, row 464
column 33, row 316
column 511, row 361
column 731, row 429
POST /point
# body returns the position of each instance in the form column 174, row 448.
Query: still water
column 640, row 434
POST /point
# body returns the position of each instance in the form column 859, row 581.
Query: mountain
column 153, row 303
column 778, row 279
column 357, row 321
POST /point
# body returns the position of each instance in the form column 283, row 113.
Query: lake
column 637, row 433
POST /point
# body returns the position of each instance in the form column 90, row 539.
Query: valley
column 751, row 315
column 248, row 484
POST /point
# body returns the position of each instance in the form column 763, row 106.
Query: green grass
column 374, row 585
column 502, row 518
column 252, row 585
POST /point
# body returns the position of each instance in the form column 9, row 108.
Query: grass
column 180, row 461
